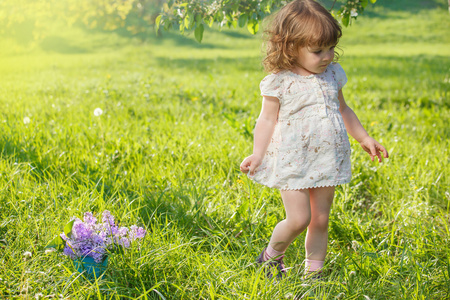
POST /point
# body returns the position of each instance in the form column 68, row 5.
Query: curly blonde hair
column 300, row 23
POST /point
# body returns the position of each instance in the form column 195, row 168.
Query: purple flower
column 124, row 242
column 107, row 218
column 122, row 231
column 137, row 232
column 89, row 219
column 85, row 249
column 114, row 230
column 97, row 256
column 63, row 236
column 140, row 233
column 108, row 241
column 80, row 231
column 93, row 239
column 69, row 252
column 98, row 239
column 97, row 253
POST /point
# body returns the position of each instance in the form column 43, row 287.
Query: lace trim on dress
column 316, row 186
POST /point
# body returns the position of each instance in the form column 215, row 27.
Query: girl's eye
column 318, row 51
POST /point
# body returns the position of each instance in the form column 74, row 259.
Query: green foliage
column 199, row 32
column 177, row 13
column 68, row 228
column 177, row 120
column 57, row 243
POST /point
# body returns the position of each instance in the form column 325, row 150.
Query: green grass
column 177, row 122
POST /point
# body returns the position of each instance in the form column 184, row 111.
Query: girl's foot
column 272, row 264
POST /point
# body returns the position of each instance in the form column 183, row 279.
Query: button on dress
column 309, row 147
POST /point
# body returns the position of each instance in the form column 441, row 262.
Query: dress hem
column 304, row 188
column 313, row 187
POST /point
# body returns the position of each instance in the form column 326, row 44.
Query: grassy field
column 177, row 121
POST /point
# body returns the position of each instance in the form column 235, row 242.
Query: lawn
column 177, row 121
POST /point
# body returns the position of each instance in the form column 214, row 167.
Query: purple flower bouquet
column 90, row 242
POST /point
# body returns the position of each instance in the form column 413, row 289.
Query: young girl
column 300, row 139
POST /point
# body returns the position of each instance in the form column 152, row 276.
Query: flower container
column 87, row 264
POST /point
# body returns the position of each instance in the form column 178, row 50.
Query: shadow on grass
column 243, row 64
column 236, row 34
column 60, row 45
column 150, row 36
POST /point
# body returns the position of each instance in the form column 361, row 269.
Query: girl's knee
column 320, row 222
column 300, row 224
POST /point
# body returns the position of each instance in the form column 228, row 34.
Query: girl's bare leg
column 317, row 234
column 298, row 216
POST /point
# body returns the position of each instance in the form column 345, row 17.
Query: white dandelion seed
column 355, row 245
column 340, row 296
column 27, row 254
column 98, row 112
column 50, row 250
column 25, row 289
column 26, row 120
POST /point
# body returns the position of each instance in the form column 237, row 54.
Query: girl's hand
column 250, row 164
column 374, row 148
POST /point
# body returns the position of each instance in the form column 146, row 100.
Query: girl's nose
column 329, row 55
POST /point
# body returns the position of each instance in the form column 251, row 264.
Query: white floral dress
column 309, row 147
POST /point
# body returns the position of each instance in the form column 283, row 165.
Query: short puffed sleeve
column 341, row 78
column 271, row 86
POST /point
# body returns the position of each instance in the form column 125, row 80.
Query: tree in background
column 32, row 17
column 133, row 15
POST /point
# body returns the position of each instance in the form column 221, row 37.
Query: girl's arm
column 262, row 134
column 357, row 131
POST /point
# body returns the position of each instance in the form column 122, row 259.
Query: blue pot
column 89, row 265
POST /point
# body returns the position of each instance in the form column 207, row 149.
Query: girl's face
column 314, row 60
